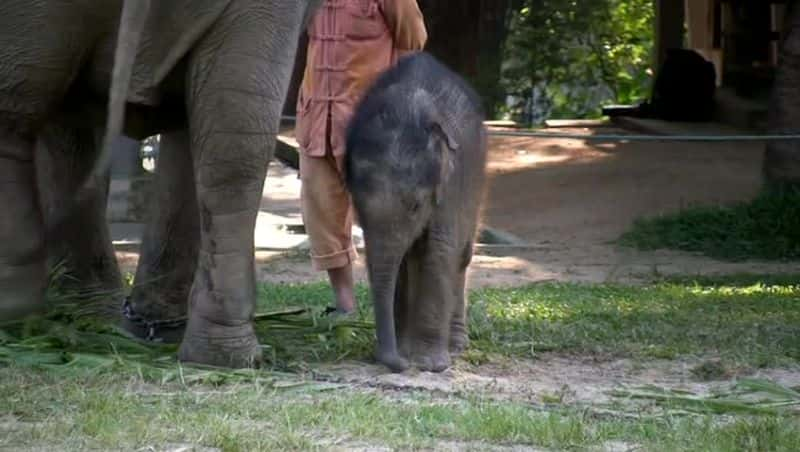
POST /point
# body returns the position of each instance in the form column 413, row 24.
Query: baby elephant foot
column 435, row 359
column 426, row 355
column 392, row 360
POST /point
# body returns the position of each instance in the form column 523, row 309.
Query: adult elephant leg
column 168, row 256
column 23, row 268
column 64, row 156
column 239, row 74
column 41, row 57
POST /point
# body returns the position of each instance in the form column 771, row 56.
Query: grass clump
column 753, row 321
column 294, row 340
column 745, row 320
column 767, row 228
column 80, row 331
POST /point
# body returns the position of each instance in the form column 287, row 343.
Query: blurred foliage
column 567, row 58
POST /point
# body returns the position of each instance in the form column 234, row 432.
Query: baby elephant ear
column 445, row 132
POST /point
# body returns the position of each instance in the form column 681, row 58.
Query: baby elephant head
column 399, row 159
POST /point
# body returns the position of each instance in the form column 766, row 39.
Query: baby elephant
column 415, row 167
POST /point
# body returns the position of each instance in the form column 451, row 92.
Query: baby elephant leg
column 429, row 340
column 407, row 293
column 459, row 338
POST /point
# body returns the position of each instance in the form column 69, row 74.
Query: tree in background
column 469, row 36
column 566, row 58
column 556, row 58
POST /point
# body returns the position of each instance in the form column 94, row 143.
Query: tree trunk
column 782, row 158
column 468, row 36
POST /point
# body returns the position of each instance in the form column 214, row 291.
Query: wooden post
column 669, row 27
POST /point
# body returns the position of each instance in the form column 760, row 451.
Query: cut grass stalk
column 780, row 400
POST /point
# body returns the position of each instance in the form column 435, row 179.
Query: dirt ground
column 581, row 380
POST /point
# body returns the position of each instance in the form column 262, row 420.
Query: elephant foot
column 426, row 355
column 155, row 320
column 392, row 360
column 23, row 288
column 166, row 333
column 218, row 345
column 459, row 341
column 434, row 360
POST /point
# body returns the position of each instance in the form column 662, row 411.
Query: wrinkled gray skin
column 416, row 159
column 782, row 158
column 212, row 75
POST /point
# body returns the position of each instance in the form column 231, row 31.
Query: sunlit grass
column 749, row 320
column 756, row 324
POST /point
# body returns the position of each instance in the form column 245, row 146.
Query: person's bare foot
column 342, row 282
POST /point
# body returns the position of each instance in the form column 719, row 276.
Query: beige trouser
column 327, row 211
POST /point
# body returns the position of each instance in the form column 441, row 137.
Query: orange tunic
column 350, row 43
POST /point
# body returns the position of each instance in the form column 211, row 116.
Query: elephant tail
column 132, row 21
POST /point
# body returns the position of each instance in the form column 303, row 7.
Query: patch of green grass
column 767, row 227
column 749, row 321
column 76, row 334
column 101, row 412
column 296, row 340
column 71, row 383
column 746, row 319
column 754, row 324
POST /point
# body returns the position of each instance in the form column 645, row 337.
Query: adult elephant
column 214, row 73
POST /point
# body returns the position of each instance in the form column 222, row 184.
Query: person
column 350, row 42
